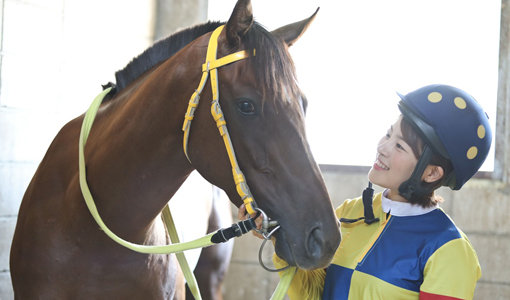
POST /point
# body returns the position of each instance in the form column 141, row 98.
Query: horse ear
column 292, row 32
column 239, row 23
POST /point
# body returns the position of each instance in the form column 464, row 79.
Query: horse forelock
column 272, row 64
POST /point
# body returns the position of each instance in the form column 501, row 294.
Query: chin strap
column 408, row 189
column 368, row 195
column 412, row 187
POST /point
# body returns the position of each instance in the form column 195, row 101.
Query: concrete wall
column 173, row 15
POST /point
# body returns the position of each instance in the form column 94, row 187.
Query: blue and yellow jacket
column 418, row 254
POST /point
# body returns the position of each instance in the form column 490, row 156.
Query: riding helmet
column 453, row 124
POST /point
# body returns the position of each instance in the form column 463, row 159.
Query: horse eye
column 246, row 107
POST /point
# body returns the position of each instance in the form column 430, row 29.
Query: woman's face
column 395, row 161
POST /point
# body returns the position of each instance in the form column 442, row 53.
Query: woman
column 402, row 245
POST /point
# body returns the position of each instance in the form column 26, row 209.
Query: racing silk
column 411, row 253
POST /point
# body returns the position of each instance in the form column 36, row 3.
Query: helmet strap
column 368, row 212
column 413, row 187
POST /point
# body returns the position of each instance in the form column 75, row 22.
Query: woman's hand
column 243, row 215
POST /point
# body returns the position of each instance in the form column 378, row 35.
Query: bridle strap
column 210, row 68
column 225, row 60
column 211, row 63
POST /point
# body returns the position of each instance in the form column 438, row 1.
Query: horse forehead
column 294, row 99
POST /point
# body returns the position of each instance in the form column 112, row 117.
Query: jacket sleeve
column 451, row 272
column 307, row 284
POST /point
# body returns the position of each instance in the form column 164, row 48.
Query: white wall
column 55, row 55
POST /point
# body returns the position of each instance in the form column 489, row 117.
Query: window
column 358, row 54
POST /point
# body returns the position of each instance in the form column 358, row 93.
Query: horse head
column 264, row 111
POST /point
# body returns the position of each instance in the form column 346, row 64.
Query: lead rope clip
column 266, row 233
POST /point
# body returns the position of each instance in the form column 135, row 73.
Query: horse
column 135, row 163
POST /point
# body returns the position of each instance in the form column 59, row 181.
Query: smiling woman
column 400, row 244
column 360, row 53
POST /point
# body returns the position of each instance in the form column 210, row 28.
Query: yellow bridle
column 211, row 66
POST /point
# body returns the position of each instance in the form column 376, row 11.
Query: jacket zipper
column 380, row 232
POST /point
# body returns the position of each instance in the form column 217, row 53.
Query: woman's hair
column 417, row 144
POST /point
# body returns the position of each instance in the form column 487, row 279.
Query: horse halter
column 211, row 66
column 221, row 235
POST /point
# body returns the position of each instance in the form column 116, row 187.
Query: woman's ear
column 432, row 173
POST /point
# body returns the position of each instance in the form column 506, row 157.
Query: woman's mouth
column 378, row 165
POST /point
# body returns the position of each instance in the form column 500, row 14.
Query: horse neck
column 136, row 161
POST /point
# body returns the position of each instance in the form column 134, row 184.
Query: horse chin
column 283, row 250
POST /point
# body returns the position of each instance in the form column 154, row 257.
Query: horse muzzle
column 312, row 250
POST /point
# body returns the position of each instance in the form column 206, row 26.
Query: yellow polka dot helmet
column 453, row 124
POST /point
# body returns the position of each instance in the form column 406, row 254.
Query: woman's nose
column 383, row 148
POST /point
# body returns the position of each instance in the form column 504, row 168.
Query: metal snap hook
column 264, row 231
column 261, row 249
column 268, row 235
column 266, row 225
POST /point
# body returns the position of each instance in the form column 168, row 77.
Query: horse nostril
column 315, row 243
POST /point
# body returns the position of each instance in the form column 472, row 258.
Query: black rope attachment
column 237, row 229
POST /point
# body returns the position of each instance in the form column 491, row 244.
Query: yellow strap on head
column 210, row 67
column 225, row 60
column 211, row 63
column 188, row 117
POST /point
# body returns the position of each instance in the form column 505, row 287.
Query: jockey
column 400, row 244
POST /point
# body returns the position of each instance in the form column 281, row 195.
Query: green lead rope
column 176, row 247
column 219, row 236
column 87, row 195
column 283, row 286
column 181, row 258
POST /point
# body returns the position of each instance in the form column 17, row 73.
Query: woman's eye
column 400, row 147
column 246, row 107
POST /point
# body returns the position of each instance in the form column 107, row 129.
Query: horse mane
column 159, row 52
column 272, row 64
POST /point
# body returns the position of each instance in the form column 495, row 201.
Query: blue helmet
column 453, row 124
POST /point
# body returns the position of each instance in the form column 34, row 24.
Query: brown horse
column 135, row 163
